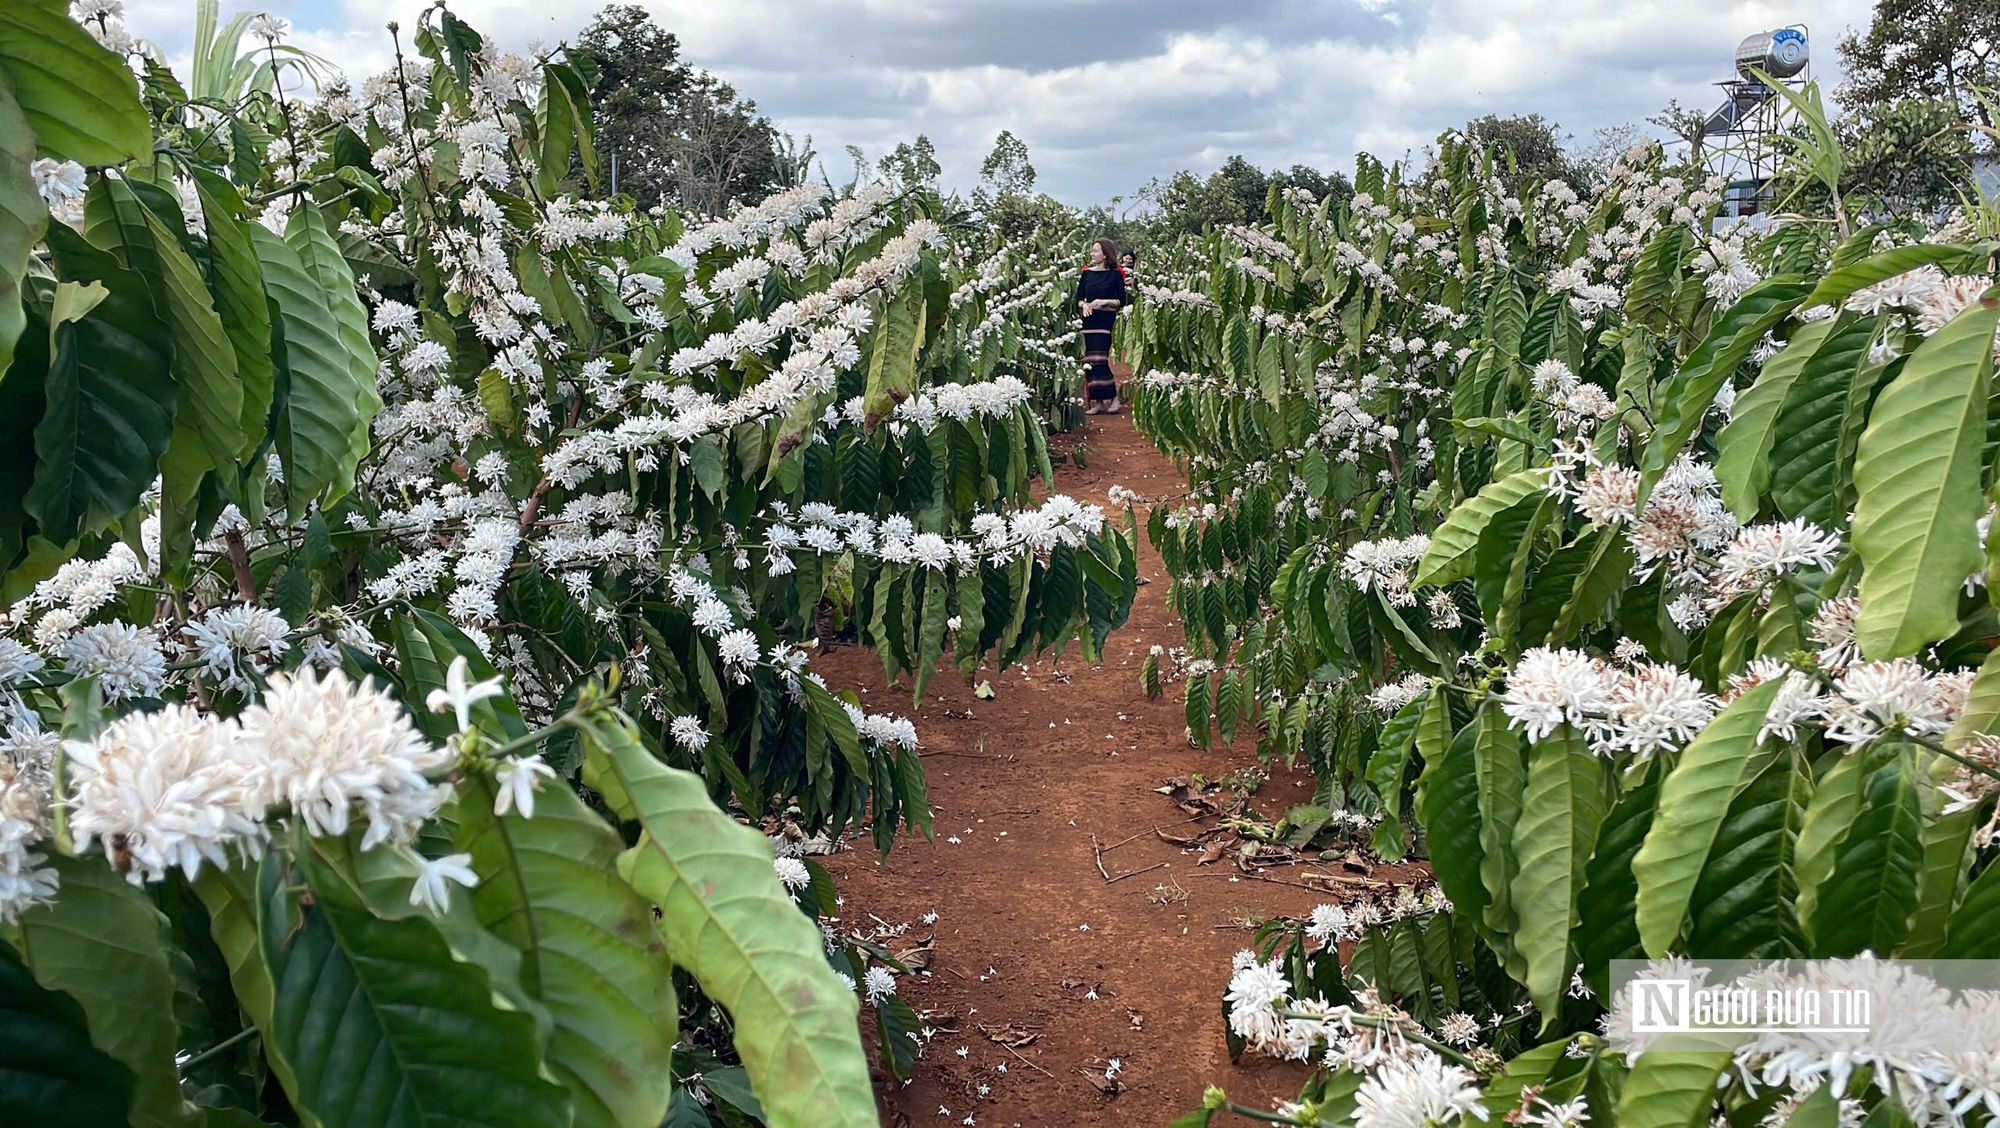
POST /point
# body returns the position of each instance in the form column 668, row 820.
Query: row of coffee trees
column 1635, row 575
column 413, row 564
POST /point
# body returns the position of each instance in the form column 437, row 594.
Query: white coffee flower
column 324, row 745
column 432, row 889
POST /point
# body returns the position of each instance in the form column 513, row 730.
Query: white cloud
column 1108, row 94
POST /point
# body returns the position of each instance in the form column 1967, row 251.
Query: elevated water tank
column 1780, row 54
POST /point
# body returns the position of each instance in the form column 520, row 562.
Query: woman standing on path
column 1100, row 294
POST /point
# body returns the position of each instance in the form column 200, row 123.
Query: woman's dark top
column 1096, row 285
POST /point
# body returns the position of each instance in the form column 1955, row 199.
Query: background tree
column 1905, row 156
column 1688, row 124
column 1538, row 147
column 912, row 164
column 1189, row 204
column 1006, row 194
column 1937, row 49
column 1607, row 144
column 1006, row 170
column 1248, row 184
column 679, row 134
column 640, row 79
column 792, row 159
column 719, row 148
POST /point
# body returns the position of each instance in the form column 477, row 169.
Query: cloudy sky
column 1107, row 93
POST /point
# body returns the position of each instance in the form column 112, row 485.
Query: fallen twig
column 1300, row 884
column 1097, row 855
column 1135, row 873
column 1155, row 830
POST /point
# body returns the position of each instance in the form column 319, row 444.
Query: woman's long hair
column 1110, row 250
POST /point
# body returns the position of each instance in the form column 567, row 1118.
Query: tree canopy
column 677, row 133
column 1936, row 49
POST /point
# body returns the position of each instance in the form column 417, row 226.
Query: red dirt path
column 1026, row 926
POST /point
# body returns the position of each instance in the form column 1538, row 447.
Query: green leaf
column 1973, row 930
column 385, row 1027
column 23, row 217
column 210, row 395
column 1655, row 274
column 1511, row 429
column 1608, row 571
column 1807, row 472
column 1503, row 777
column 1391, row 759
column 1236, row 347
column 1456, row 542
column 1500, row 564
column 1865, row 904
column 1529, row 1069
column 496, row 396
column 574, row 88
column 1670, row 1089
column 1561, row 808
column 1818, row 1110
column 53, row 1075
column 81, row 100
column 1742, row 906
column 1918, row 475
column 892, row 359
column 100, row 944
column 971, row 599
column 319, row 254
column 1693, row 801
column 321, row 410
column 1229, row 708
column 231, row 897
column 1271, row 370
column 238, row 283
column 1606, row 927
column 556, row 119
column 1447, row 806
column 1686, row 397
column 1945, row 839
column 591, row 954
column 1743, row 447
column 1982, row 706
column 1197, row 711
column 732, row 926
column 930, row 631
column 110, row 395
column 1828, row 818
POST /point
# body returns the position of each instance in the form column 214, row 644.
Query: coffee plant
column 1633, row 570
column 413, row 560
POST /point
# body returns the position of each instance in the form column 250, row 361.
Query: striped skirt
column 1098, row 382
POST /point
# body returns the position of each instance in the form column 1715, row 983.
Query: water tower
column 1741, row 140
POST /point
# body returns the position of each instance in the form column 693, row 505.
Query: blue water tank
column 1780, row 54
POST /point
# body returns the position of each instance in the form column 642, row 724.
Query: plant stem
column 239, row 566
column 1941, row 750
column 567, row 720
column 233, row 1040
column 1260, row 1114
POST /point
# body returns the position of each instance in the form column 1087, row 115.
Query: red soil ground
column 1026, row 926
